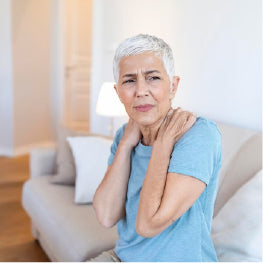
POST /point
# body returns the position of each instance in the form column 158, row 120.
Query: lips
column 144, row 107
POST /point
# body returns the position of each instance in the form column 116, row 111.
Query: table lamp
column 109, row 104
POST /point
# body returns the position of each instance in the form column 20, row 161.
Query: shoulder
column 119, row 133
column 204, row 136
column 198, row 152
column 204, row 130
column 204, row 125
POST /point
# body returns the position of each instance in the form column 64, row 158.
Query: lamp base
column 111, row 127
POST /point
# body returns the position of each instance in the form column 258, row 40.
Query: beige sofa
column 70, row 232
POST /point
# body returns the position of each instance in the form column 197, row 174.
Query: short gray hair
column 144, row 43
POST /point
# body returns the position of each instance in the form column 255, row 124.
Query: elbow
column 144, row 230
column 143, row 233
column 106, row 223
column 102, row 219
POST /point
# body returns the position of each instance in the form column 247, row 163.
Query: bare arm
column 110, row 197
column 166, row 196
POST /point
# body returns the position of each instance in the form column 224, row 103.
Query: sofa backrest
column 241, row 159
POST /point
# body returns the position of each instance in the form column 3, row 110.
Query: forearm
column 110, row 197
column 154, row 183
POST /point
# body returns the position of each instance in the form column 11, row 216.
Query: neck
column 149, row 133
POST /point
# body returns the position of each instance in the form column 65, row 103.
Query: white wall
column 6, row 85
column 31, row 72
column 56, row 65
column 25, row 112
column 217, row 50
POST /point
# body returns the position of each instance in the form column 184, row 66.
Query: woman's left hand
column 176, row 123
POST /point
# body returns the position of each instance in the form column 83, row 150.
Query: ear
column 115, row 87
column 174, row 87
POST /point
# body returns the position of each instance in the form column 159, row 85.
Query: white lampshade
column 108, row 103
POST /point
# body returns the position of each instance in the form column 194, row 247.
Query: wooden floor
column 16, row 241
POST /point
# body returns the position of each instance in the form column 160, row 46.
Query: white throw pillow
column 237, row 228
column 90, row 155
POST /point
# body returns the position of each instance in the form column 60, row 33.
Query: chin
column 145, row 120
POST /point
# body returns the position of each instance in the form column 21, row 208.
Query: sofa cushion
column 90, row 155
column 72, row 231
column 66, row 170
column 236, row 230
column 238, row 145
column 242, row 166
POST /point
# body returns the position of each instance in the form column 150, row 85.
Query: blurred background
column 56, row 54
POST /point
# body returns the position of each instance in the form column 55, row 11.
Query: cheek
column 161, row 95
column 125, row 96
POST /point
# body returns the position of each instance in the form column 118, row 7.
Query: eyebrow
column 145, row 73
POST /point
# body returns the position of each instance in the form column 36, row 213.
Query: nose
column 141, row 88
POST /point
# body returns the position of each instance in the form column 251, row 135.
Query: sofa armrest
column 43, row 161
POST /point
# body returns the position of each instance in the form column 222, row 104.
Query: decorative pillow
column 66, row 171
column 90, row 154
column 237, row 228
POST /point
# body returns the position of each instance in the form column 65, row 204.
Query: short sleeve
column 198, row 152
column 114, row 146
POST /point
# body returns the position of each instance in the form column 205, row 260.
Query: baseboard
column 25, row 149
column 8, row 152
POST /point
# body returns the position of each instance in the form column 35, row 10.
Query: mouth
column 144, row 107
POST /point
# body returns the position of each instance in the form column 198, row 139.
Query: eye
column 128, row 81
column 154, row 78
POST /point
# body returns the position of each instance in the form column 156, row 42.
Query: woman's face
column 144, row 88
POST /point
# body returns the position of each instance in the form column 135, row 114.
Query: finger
column 172, row 116
column 190, row 121
column 169, row 115
column 183, row 116
column 177, row 112
column 178, row 115
column 191, row 118
column 174, row 112
column 178, row 109
column 181, row 126
column 185, row 121
column 178, row 122
column 181, row 121
column 166, row 121
column 170, row 112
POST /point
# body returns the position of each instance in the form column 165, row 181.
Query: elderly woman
column 161, row 182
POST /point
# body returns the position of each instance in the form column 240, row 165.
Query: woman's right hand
column 132, row 134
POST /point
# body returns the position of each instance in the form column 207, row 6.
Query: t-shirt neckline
column 143, row 150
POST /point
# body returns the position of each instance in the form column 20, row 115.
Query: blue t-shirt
column 197, row 154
